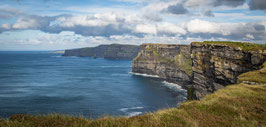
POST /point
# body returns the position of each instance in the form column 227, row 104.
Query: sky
column 66, row 24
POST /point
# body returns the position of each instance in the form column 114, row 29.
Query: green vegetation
column 235, row 105
column 258, row 76
column 189, row 93
column 157, row 55
column 239, row 105
column 243, row 45
column 180, row 60
column 184, row 63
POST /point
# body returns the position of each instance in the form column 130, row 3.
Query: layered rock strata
column 202, row 67
column 215, row 66
column 169, row 61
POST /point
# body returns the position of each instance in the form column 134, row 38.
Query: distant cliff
column 113, row 51
column 168, row 61
column 207, row 66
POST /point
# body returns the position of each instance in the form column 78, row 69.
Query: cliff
column 217, row 64
column 169, row 61
column 202, row 67
column 113, row 51
column 97, row 51
column 116, row 51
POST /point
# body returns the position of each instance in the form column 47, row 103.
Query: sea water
column 44, row 83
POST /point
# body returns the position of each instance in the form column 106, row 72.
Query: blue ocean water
column 44, row 83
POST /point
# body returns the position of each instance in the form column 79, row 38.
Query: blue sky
column 65, row 24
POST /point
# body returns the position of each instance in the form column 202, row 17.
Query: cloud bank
column 163, row 21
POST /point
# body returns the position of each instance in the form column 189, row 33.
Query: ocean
column 40, row 83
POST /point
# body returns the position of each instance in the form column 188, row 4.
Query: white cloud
column 24, row 23
column 6, row 26
column 249, row 36
column 89, row 20
column 201, row 26
column 166, row 27
column 146, row 29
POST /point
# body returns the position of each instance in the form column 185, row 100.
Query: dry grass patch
column 258, row 76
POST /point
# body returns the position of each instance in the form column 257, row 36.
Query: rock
column 116, row 51
column 216, row 66
column 169, row 61
column 113, row 51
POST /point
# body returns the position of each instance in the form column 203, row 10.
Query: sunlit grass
column 235, row 105
column 242, row 45
column 258, row 76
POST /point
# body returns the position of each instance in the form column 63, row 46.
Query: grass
column 258, row 76
column 243, row 45
column 236, row 105
column 184, row 63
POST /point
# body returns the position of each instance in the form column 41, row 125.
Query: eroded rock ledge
column 201, row 67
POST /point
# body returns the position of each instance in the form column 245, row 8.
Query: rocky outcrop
column 202, row 67
column 169, row 61
column 217, row 65
column 113, row 51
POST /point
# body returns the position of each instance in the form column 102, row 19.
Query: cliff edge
column 169, row 61
column 201, row 67
column 218, row 64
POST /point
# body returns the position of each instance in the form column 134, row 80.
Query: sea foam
column 126, row 109
column 133, row 111
column 133, row 114
column 145, row 75
column 173, row 86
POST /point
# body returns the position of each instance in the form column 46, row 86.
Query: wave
column 133, row 114
column 133, row 111
column 173, row 86
column 56, row 56
column 120, row 75
column 145, row 75
column 126, row 109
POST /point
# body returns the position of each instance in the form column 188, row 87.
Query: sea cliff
column 201, row 67
column 113, row 51
column 218, row 64
column 235, row 105
column 168, row 61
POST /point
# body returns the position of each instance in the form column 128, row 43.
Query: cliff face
column 113, row 51
column 116, row 51
column 215, row 66
column 171, row 62
column 202, row 67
